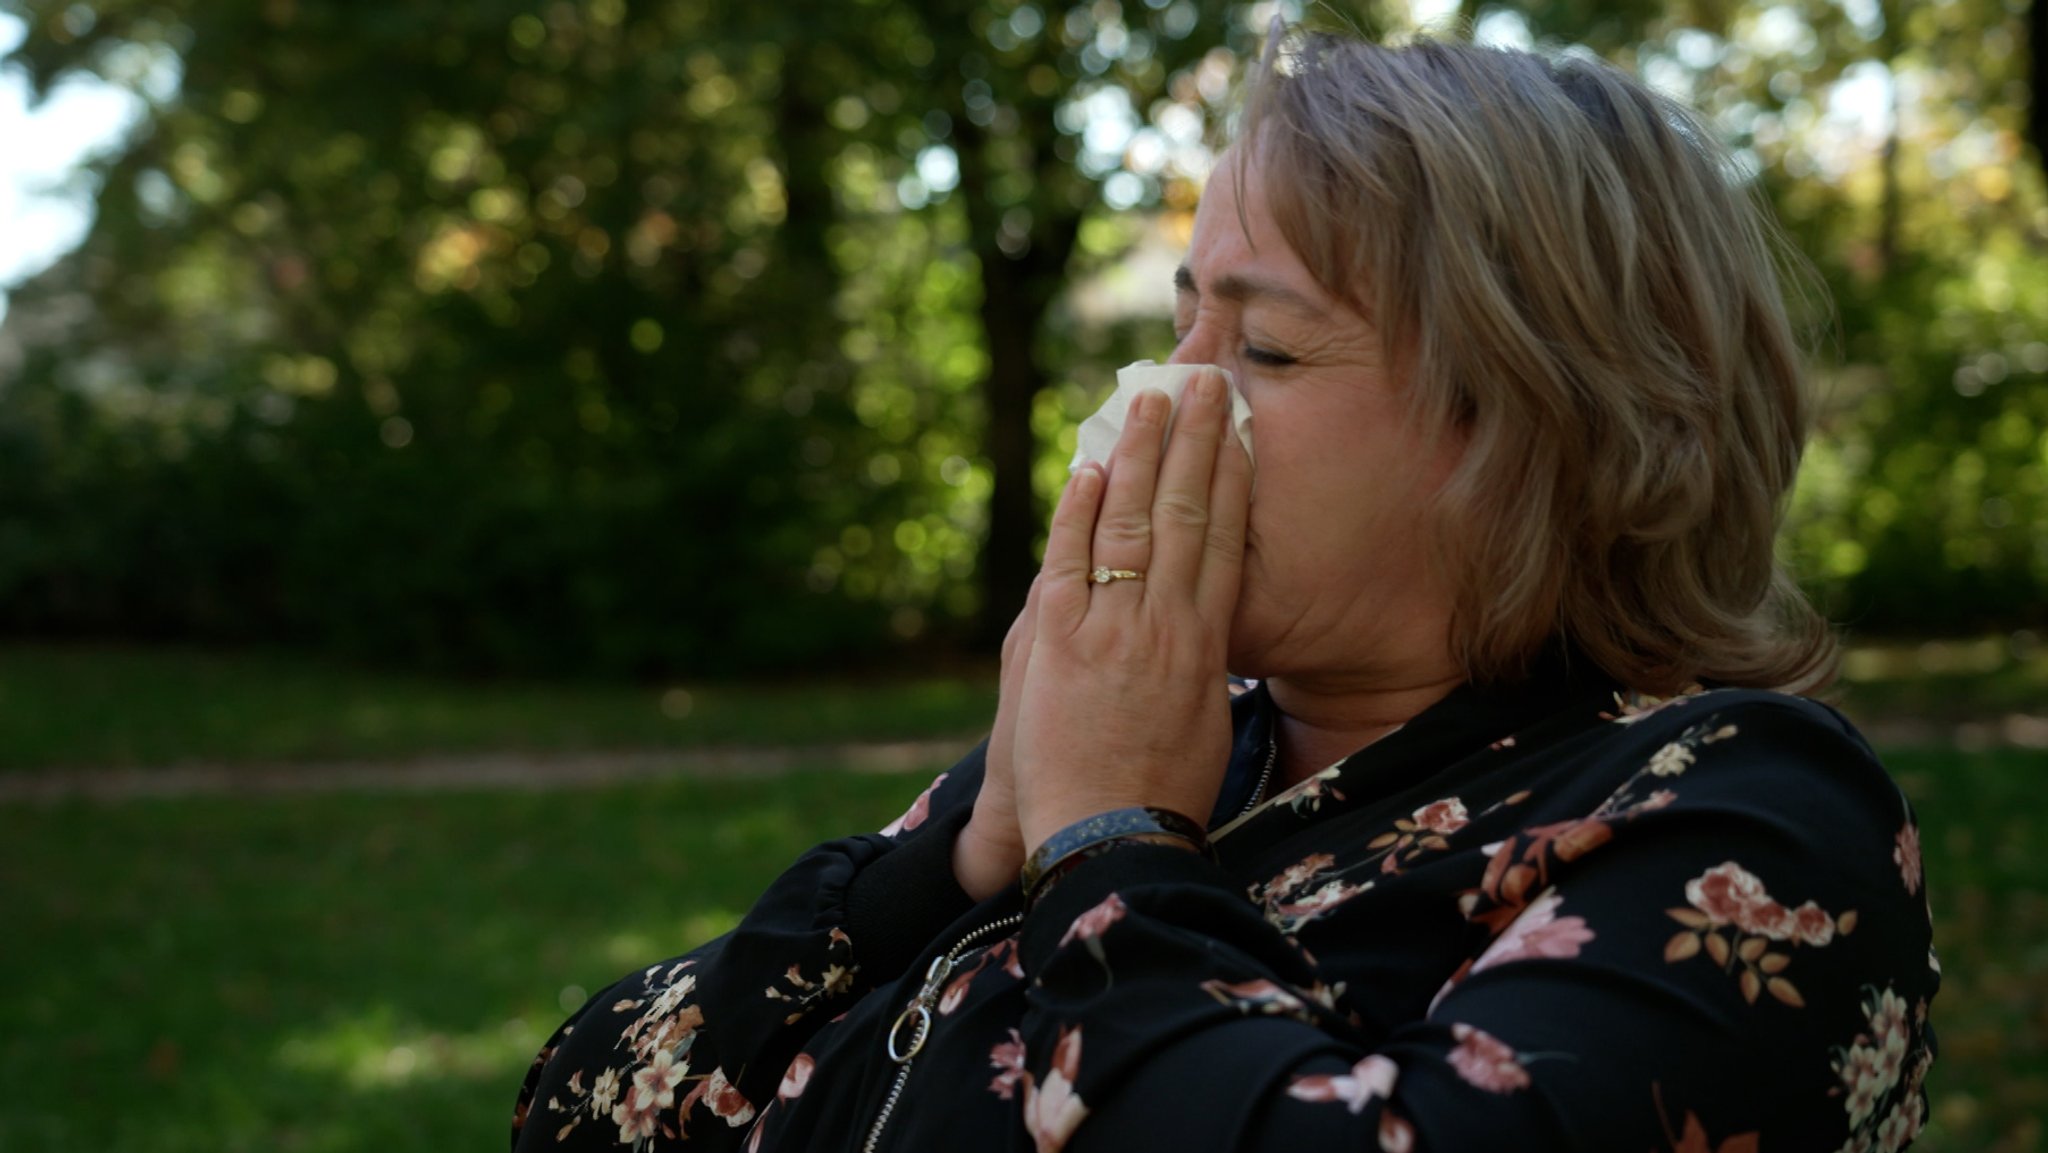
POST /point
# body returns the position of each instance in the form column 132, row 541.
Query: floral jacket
column 1550, row 917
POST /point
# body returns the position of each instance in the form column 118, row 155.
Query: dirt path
column 486, row 771
column 551, row 771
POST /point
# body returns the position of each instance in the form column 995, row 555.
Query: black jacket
column 1551, row 917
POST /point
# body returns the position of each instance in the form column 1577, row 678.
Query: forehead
column 1237, row 250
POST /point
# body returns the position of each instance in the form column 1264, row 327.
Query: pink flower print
column 725, row 1100
column 1371, row 1078
column 605, row 1091
column 1538, row 932
column 796, row 1078
column 1396, row 1134
column 1906, row 854
column 1485, row 1063
column 1767, row 919
column 918, row 811
column 1002, row 954
column 1671, row 760
column 1725, row 892
column 1865, row 1083
column 1662, row 798
column 1096, row 921
column 1443, row 817
column 721, row 1097
column 635, row 1125
column 1053, row 1111
column 1297, row 874
column 1256, row 995
column 1008, row 1060
column 1292, row 915
column 654, row 1085
column 1813, row 925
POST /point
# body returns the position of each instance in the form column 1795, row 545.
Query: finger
column 1123, row 532
column 1230, row 503
column 1180, row 510
column 1017, row 645
column 1063, row 599
column 1016, row 659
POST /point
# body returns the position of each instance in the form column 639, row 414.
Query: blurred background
column 484, row 485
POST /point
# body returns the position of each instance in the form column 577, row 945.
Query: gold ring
column 1103, row 576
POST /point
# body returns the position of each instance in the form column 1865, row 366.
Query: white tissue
column 1099, row 433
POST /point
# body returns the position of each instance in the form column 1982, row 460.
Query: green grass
column 1945, row 680
column 1984, row 832
column 353, row 973
column 372, row 973
column 67, row 707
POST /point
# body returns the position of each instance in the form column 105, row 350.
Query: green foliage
column 669, row 338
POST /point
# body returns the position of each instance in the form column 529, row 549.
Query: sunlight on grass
column 374, row 1050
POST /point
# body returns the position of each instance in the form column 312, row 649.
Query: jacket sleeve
column 1733, row 951
column 688, row 1048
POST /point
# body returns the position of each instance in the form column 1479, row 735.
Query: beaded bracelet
column 1096, row 835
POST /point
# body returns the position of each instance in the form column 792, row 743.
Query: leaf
column 1516, row 888
column 1690, row 918
column 1685, row 944
column 1740, row 1143
column 1582, row 838
column 1751, row 948
column 1383, row 840
column 1751, row 986
column 1846, row 923
column 1784, row 991
column 1518, row 798
column 1773, row 962
column 1717, row 948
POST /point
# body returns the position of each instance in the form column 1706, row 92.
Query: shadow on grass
column 353, row 973
column 373, row 973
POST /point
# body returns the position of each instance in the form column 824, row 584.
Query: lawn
column 317, row 974
column 91, row 707
column 366, row 972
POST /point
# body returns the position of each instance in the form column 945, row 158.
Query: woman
column 1482, row 867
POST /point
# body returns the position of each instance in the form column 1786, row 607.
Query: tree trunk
column 1016, row 293
column 2037, row 78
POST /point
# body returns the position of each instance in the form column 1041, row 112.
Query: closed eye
column 1264, row 357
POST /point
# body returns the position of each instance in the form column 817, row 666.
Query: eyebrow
column 1235, row 286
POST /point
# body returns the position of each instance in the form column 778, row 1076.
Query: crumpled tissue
column 1099, row 433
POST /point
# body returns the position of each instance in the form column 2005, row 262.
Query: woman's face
column 1337, row 582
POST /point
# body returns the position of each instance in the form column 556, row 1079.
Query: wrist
column 1102, row 833
column 985, row 863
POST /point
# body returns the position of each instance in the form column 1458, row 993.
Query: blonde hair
column 1567, row 270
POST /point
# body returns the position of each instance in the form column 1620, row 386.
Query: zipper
column 918, row 1017
column 1265, row 777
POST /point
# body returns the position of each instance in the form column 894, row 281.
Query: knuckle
column 1125, row 529
column 1182, row 510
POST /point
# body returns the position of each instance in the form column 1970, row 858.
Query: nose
column 1200, row 346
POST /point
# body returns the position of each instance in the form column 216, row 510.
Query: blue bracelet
column 1093, row 836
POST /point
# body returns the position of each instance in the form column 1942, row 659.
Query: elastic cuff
column 906, row 897
column 1094, row 881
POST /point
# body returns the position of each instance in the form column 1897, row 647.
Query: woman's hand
column 990, row 849
column 1123, row 700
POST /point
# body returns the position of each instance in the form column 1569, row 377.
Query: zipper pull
column 919, row 1013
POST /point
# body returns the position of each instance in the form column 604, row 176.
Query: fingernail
column 1209, row 387
column 1153, row 406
